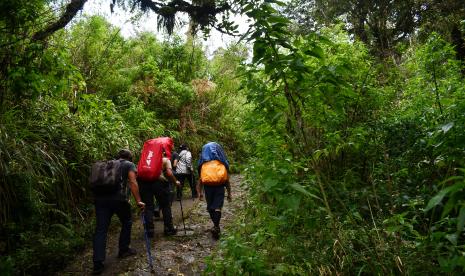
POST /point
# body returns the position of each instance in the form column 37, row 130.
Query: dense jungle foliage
column 347, row 121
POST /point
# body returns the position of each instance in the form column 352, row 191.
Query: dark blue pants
column 162, row 192
column 214, row 195
column 104, row 210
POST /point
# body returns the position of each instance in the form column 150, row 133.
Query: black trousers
column 104, row 210
column 214, row 196
column 182, row 177
column 162, row 192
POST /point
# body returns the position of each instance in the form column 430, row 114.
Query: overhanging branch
column 204, row 14
column 71, row 10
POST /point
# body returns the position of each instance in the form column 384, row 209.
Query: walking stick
column 193, row 183
column 147, row 242
column 182, row 214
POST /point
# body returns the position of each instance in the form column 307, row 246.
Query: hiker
column 174, row 160
column 213, row 168
column 184, row 170
column 107, row 204
column 160, row 188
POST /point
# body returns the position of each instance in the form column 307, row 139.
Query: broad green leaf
column 278, row 19
column 269, row 184
column 461, row 220
column 316, row 51
column 438, row 198
column 357, row 216
column 302, row 190
column 452, row 238
column 259, row 50
column 279, row 3
column 448, row 207
column 292, row 202
column 284, row 171
column 435, row 200
column 247, row 8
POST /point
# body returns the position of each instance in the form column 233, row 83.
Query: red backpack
column 150, row 162
column 167, row 144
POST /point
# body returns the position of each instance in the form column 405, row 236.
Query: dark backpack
column 106, row 177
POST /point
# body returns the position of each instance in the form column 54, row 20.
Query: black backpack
column 106, row 177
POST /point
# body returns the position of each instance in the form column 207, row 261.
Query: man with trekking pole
column 112, row 181
column 156, row 183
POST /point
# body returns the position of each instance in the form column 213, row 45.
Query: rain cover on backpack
column 167, row 144
column 213, row 173
column 214, row 165
column 213, row 151
column 150, row 162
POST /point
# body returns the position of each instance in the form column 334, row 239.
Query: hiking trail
column 174, row 255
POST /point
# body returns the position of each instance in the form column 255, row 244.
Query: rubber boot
column 216, row 217
column 210, row 212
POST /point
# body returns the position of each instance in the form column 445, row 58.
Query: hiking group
column 158, row 172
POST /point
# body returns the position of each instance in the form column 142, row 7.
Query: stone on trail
column 176, row 255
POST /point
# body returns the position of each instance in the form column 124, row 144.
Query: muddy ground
column 176, row 255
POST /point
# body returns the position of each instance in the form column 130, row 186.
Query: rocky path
column 177, row 255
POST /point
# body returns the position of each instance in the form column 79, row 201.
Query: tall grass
column 45, row 154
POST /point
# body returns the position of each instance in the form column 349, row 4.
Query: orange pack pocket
column 213, row 173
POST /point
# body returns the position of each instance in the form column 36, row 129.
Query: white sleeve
column 189, row 159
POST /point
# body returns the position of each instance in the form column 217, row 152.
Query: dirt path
column 176, row 255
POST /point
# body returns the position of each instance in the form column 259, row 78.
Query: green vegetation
column 81, row 98
column 357, row 161
column 347, row 122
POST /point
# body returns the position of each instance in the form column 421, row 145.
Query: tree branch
column 71, row 10
column 202, row 14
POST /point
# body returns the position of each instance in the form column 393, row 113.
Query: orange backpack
column 213, row 173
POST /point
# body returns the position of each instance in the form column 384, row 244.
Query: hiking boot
column 98, row 268
column 127, row 253
column 170, row 232
column 216, row 232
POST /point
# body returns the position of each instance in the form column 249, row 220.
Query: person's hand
column 178, row 183
column 141, row 205
column 229, row 198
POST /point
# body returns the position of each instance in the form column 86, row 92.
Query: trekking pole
column 182, row 214
column 147, row 242
column 193, row 182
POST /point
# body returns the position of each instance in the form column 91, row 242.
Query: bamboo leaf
column 435, row 200
column 439, row 197
column 461, row 220
column 302, row 190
